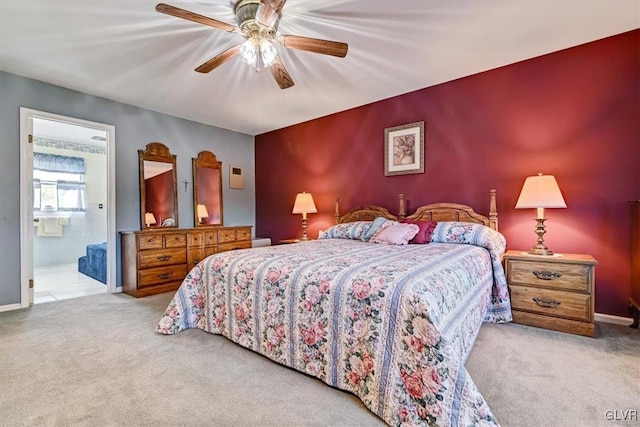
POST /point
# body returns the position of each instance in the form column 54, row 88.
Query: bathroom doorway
column 68, row 251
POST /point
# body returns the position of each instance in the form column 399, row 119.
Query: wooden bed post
column 493, row 211
column 401, row 211
column 337, row 213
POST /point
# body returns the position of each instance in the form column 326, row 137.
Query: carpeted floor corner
column 97, row 361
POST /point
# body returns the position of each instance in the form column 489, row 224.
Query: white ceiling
column 128, row 52
column 68, row 132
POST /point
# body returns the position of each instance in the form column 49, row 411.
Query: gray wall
column 135, row 127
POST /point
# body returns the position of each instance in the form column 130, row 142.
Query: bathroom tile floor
column 64, row 281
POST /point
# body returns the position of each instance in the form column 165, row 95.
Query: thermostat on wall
column 236, row 177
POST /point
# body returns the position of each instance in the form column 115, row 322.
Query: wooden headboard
column 457, row 212
column 368, row 212
column 433, row 212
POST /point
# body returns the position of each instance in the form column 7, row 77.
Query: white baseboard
column 10, row 307
column 616, row 320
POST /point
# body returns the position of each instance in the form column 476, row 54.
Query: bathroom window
column 58, row 183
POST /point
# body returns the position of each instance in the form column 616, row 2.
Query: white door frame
column 26, row 198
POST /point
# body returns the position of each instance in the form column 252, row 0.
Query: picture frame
column 404, row 149
column 236, row 177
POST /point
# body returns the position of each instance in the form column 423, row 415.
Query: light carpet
column 98, row 361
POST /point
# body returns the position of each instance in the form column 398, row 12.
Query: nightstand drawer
column 556, row 275
column 568, row 305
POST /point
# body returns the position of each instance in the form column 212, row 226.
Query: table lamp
column 540, row 192
column 303, row 205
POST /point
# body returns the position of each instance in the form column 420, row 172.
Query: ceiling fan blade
column 269, row 12
column 218, row 60
column 191, row 16
column 281, row 74
column 325, row 47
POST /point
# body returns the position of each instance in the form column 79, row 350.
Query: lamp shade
column 304, row 204
column 149, row 218
column 540, row 191
column 202, row 211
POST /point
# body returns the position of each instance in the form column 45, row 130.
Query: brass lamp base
column 540, row 249
column 544, row 251
column 304, row 229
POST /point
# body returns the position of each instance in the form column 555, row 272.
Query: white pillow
column 395, row 234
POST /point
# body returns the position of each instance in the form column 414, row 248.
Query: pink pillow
column 395, row 234
column 426, row 230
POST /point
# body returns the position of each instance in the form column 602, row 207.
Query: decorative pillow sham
column 349, row 230
column 395, row 234
column 376, row 225
column 426, row 230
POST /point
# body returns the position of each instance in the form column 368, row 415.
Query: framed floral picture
column 404, row 149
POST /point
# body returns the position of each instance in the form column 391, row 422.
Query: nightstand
column 552, row 292
column 287, row 241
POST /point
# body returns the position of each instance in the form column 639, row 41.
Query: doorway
column 67, row 188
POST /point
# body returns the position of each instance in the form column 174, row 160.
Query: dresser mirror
column 207, row 190
column 158, row 187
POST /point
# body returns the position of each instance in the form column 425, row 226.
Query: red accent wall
column 573, row 113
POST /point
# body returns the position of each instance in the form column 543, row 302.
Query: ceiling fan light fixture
column 268, row 52
column 249, row 53
column 257, row 21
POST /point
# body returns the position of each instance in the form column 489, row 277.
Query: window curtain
column 71, row 196
column 57, row 163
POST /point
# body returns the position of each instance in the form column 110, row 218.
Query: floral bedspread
column 366, row 318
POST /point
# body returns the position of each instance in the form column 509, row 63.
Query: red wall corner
column 573, row 113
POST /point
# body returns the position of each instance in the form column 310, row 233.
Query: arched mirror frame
column 157, row 152
column 207, row 160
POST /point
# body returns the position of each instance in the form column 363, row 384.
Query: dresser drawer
column 243, row 234
column 234, row 245
column 226, row 236
column 556, row 275
column 157, row 258
column 195, row 256
column 150, row 241
column 195, row 239
column 175, row 240
column 157, row 275
column 210, row 250
column 210, row 238
column 568, row 305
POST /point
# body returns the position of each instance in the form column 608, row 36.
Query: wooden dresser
column 552, row 292
column 634, row 301
column 157, row 260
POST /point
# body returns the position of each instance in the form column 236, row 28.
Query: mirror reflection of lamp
column 303, row 205
column 201, row 211
column 149, row 219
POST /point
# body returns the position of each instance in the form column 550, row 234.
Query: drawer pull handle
column 547, row 275
column 549, row 303
column 164, row 257
column 164, row 276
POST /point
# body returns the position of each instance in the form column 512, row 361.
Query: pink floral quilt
column 391, row 324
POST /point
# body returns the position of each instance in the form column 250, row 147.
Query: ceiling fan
column 258, row 23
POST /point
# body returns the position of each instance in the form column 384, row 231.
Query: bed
column 392, row 324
